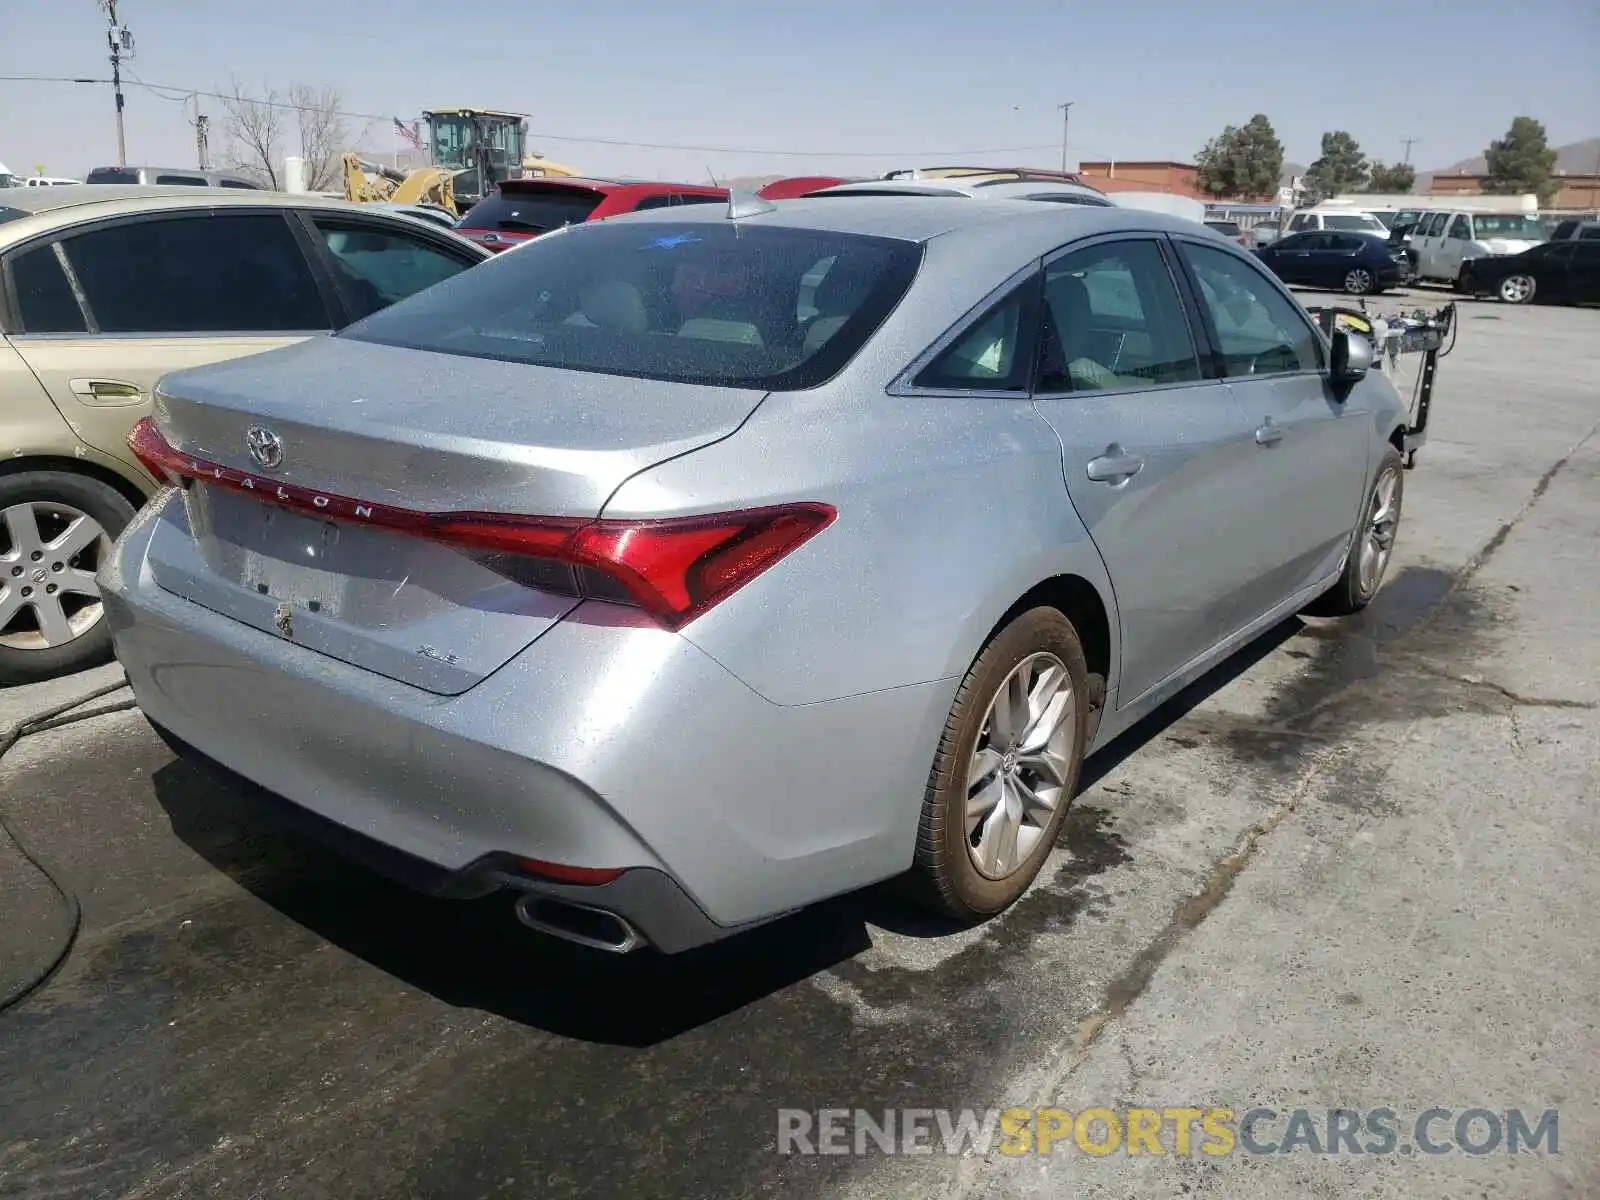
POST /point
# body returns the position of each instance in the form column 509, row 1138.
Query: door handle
column 106, row 393
column 1268, row 433
column 1114, row 466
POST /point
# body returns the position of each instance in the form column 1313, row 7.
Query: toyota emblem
column 266, row 447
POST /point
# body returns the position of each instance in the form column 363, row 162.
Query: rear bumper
column 647, row 898
column 606, row 743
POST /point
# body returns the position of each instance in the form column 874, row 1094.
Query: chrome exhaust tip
column 596, row 928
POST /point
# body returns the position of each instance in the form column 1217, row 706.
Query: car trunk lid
column 295, row 450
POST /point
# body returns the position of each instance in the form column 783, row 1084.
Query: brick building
column 1580, row 191
column 1175, row 178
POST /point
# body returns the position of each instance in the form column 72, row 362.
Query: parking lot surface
column 1353, row 868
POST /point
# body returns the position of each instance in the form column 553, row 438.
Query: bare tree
column 253, row 127
column 324, row 137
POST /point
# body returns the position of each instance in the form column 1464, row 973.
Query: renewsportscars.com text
column 1176, row 1131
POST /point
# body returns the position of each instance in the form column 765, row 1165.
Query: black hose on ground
column 53, row 718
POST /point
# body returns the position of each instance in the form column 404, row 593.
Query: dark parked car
column 1358, row 263
column 1562, row 271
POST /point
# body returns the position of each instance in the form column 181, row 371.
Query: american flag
column 409, row 134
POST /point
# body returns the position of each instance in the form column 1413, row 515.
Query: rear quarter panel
column 950, row 509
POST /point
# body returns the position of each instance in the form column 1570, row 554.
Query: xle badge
column 284, row 620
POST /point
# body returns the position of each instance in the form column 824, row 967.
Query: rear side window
column 521, row 210
column 1113, row 320
column 44, row 297
column 379, row 266
column 1259, row 331
column 183, row 180
column 993, row 354
column 673, row 199
column 239, row 183
column 201, row 274
column 707, row 302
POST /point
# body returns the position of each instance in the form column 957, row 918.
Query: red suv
column 519, row 209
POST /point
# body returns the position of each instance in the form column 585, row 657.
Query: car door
column 375, row 262
column 1427, row 241
column 1290, row 258
column 1583, row 273
column 1452, row 251
column 1303, row 480
column 1324, row 266
column 156, row 294
column 1151, row 447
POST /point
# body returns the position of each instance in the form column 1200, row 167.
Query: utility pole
column 1066, row 115
column 1408, row 143
column 202, row 148
column 121, row 42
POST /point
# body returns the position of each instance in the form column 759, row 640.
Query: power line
column 540, row 135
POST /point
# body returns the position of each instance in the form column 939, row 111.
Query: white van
column 1443, row 239
column 1345, row 220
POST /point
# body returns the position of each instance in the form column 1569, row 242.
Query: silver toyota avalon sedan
column 679, row 570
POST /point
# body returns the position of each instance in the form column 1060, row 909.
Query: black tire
column 1351, row 594
column 112, row 511
column 944, row 877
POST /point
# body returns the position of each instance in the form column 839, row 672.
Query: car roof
column 1022, row 224
column 51, row 208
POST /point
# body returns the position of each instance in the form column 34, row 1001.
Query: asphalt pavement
column 1354, row 868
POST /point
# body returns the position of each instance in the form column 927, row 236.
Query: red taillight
column 674, row 568
column 154, row 452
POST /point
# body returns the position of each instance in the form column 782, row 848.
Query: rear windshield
column 531, row 211
column 1355, row 222
column 1228, row 227
column 714, row 303
column 112, row 175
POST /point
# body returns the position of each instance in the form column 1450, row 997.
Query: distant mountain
column 1576, row 158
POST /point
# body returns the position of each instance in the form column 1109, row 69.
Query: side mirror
column 1351, row 359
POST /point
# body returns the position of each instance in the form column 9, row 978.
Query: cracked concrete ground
column 1353, row 868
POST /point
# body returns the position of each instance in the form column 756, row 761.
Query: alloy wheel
column 1018, row 772
column 1516, row 289
column 1377, row 542
column 1358, row 282
column 49, row 553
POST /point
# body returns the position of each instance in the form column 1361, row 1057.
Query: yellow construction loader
column 472, row 151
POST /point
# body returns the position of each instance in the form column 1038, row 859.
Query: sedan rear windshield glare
column 1355, row 223
column 713, row 303
column 531, row 211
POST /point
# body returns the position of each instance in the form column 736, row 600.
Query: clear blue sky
column 889, row 80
